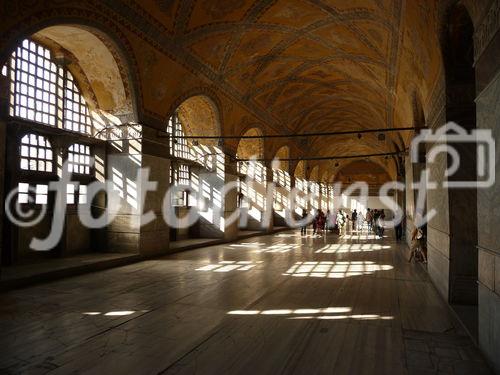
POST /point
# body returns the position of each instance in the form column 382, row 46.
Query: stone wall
column 488, row 200
column 410, row 200
column 438, row 227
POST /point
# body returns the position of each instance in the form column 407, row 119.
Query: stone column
column 123, row 162
column 230, row 199
column 140, row 148
column 488, row 219
column 438, row 228
column 268, row 214
column 155, row 235
column 292, row 187
column 4, row 108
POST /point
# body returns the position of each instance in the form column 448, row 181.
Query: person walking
column 369, row 220
column 361, row 222
column 354, row 219
column 376, row 215
column 303, row 228
column 341, row 221
column 321, row 222
column 328, row 221
column 380, row 225
column 399, row 228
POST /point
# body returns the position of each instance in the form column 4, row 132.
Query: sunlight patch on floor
column 228, row 266
column 336, row 270
column 351, row 248
column 327, row 313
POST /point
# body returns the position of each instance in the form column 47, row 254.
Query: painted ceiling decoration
column 315, row 65
column 284, row 66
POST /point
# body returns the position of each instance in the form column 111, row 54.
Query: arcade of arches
column 191, row 111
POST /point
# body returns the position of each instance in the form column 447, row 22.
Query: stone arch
column 324, row 177
column 300, row 170
column 283, row 153
column 199, row 115
column 65, row 33
column 251, row 148
column 314, row 174
column 95, row 58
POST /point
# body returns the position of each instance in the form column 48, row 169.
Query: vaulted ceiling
column 290, row 66
column 315, row 65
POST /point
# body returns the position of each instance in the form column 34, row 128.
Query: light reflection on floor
column 327, row 313
column 279, row 248
column 350, row 248
column 247, row 244
column 335, row 270
column 114, row 313
column 342, row 317
column 228, row 266
column 360, row 237
column 287, row 235
column 324, row 310
column 298, row 235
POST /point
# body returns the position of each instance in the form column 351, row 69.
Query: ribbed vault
column 313, row 65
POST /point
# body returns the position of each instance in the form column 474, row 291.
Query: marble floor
column 277, row 304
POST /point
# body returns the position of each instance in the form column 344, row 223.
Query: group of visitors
column 374, row 219
column 321, row 222
column 343, row 219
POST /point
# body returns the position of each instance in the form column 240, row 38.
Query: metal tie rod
column 397, row 153
column 303, row 135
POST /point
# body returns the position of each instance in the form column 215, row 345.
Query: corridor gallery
column 249, row 187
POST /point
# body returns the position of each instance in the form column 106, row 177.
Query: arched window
column 178, row 146
column 76, row 193
column 79, row 159
column 34, row 193
column 180, row 176
column 281, row 178
column 44, row 92
column 76, row 117
column 36, row 154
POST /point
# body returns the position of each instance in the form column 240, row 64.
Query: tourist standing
column 369, row 219
column 354, row 219
column 303, row 229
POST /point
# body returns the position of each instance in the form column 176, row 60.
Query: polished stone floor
column 268, row 305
